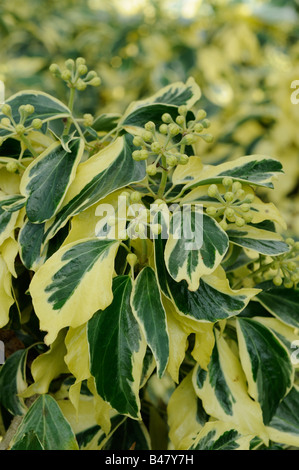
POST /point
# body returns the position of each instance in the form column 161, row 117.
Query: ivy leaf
column 263, row 241
column 266, row 363
column 149, row 311
column 188, row 258
column 44, row 425
column 223, row 391
column 66, row 290
column 47, row 179
column 251, row 169
column 221, row 436
column 283, row 303
column 46, row 107
column 117, row 349
column 284, row 425
column 13, row 382
column 93, row 180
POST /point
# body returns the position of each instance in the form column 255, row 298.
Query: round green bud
column 171, row 160
column 223, row 224
column 245, row 207
column 156, row 229
column 183, row 159
column 296, row 246
column 150, row 126
column 156, row 147
column 198, row 127
column 229, row 196
column 240, row 222
column 163, row 129
column 69, row 63
column 250, row 198
column 82, row 69
column 136, row 155
column 227, row 181
column 213, row 190
column 291, row 266
column 5, row 122
column 207, row 138
column 29, row 109
column 174, row 129
column 91, row 74
column 80, row 61
column 137, row 141
column 295, row 277
column 37, row 123
column 229, row 213
column 180, row 120
column 151, row 170
column 201, row 114
column 206, row 123
column 212, row 211
column 147, row 136
column 240, row 194
column 66, row 75
column 248, row 216
column 290, row 241
column 139, row 228
column 166, row 118
column 189, row 139
column 6, row 110
column 88, row 119
column 236, row 186
column 11, row 167
column 144, row 154
column 288, row 283
column 81, row 85
column 183, row 110
column 54, row 69
column 20, row 129
column 135, row 197
column 132, row 259
column 96, row 81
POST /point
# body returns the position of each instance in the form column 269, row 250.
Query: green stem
column 144, row 251
column 254, row 273
column 71, row 107
column 28, row 145
column 163, row 179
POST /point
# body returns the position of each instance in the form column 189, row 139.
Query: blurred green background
column 243, row 54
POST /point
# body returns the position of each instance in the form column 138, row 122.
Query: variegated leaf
column 263, row 241
column 266, row 363
column 45, row 419
column 13, row 382
column 117, row 349
column 284, row 425
column 93, row 180
column 73, row 284
column 219, row 435
column 223, row 391
column 47, row 179
column 149, row 311
column 196, row 246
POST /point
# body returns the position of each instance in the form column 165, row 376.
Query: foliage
column 136, row 334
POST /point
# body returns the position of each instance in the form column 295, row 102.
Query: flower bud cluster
column 286, row 266
column 76, row 74
column 138, row 218
column 163, row 142
column 18, row 128
column 234, row 204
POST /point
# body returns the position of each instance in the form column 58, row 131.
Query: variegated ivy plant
column 143, row 339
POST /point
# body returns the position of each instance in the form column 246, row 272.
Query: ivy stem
column 163, row 179
column 254, row 273
column 28, row 145
column 71, row 107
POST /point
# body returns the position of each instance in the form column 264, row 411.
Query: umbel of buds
column 76, row 74
column 19, row 126
column 168, row 143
